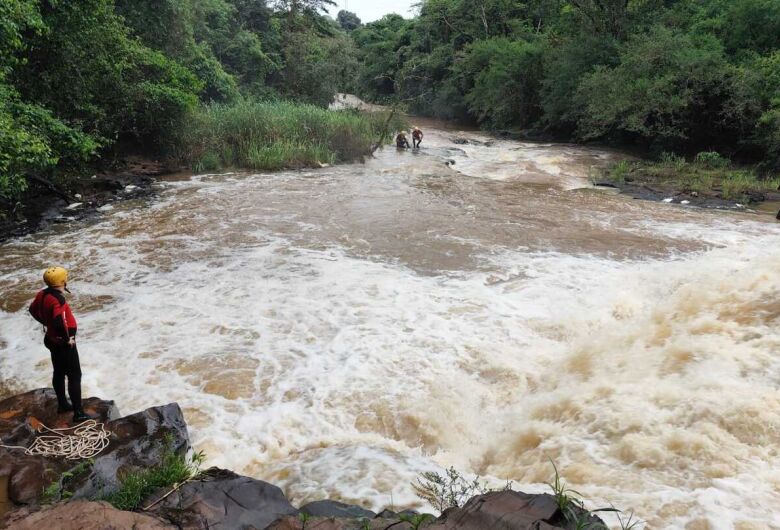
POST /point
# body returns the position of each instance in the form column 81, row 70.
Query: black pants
column 416, row 143
column 65, row 360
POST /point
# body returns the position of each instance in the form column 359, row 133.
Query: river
column 338, row 331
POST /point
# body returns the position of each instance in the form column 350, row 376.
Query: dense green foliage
column 672, row 75
column 274, row 135
column 83, row 79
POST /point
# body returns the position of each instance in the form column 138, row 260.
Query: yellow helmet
column 403, row 133
column 55, row 277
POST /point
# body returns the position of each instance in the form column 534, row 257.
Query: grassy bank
column 275, row 135
column 708, row 175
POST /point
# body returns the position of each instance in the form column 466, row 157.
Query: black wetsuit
column 401, row 142
column 65, row 361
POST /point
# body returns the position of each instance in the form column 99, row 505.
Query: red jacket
column 50, row 309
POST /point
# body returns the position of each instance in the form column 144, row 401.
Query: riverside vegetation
column 85, row 82
column 665, row 76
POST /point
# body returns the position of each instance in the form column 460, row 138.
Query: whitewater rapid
column 339, row 331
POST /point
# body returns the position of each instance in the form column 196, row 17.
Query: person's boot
column 64, row 407
column 79, row 416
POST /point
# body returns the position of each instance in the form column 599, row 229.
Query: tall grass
column 274, row 135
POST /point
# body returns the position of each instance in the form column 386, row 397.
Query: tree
column 348, row 20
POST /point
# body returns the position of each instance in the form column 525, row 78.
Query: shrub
column 712, row 160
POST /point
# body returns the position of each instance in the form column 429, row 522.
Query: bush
column 712, row 160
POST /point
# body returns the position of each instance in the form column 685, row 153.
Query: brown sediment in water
column 355, row 324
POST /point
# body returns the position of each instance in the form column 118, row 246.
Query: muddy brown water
column 338, row 331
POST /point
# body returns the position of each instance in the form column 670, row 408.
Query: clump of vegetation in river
column 708, row 174
column 274, row 135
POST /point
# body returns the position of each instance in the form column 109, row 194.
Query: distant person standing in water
column 401, row 142
column 50, row 309
column 417, row 137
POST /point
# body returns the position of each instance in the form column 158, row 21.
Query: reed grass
column 274, row 135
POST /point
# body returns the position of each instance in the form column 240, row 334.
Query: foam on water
column 317, row 358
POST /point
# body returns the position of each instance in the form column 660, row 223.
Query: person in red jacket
column 50, row 309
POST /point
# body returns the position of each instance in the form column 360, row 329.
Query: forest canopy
column 80, row 79
column 670, row 75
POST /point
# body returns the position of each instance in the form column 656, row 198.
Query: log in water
column 338, row 331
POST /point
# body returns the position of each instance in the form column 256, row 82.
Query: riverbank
column 247, row 135
column 44, row 204
column 144, row 478
column 708, row 181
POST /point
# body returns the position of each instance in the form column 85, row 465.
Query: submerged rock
column 223, row 499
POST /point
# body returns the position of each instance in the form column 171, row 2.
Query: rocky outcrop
column 333, row 523
column 137, row 442
column 223, row 499
column 510, row 510
column 336, row 509
column 218, row 498
column 28, row 476
column 83, row 515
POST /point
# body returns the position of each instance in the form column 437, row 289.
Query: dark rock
column 138, row 441
column 30, row 475
column 223, row 499
column 81, row 515
column 605, row 184
column 389, row 514
column 332, row 523
column 460, row 141
column 336, row 509
column 778, row 216
column 507, row 510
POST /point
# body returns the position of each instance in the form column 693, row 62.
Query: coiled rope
column 87, row 439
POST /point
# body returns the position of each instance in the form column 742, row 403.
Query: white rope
column 88, row 439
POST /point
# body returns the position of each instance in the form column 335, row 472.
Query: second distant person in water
column 401, row 142
column 417, row 137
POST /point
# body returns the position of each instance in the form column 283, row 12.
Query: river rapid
column 338, row 331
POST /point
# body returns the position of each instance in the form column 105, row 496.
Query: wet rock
column 331, row 523
column 507, row 510
column 138, row 441
column 460, row 141
column 30, row 475
column 389, row 514
column 336, row 509
column 81, row 515
column 224, row 499
column 778, row 216
column 606, row 184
